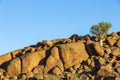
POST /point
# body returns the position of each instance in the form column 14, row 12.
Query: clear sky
column 25, row 22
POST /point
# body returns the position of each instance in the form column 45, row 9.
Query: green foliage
column 100, row 29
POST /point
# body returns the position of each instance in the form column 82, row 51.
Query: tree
column 100, row 30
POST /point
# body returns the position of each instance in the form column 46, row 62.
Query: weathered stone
column 106, row 71
column 31, row 60
column 38, row 69
column 89, row 46
column 29, row 50
column 54, row 60
column 112, row 39
column 23, row 77
column 99, row 50
column 29, row 74
column 116, row 52
column 84, row 77
column 108, row 50
column 15, row 78
column 39, row 76
column 16, row 53
column 88, row 61
column 73, row 53
column 57, row 71
column 14, row 67
column 1, row 71
column 101, row 61
column 47, row 42
column 76, row 66
column 72, row 70
column 118, row 43
column 4, row 58
column 117, row 78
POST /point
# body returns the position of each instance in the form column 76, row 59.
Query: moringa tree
column 100, row 30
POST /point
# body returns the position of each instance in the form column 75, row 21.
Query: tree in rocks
column 100, row 30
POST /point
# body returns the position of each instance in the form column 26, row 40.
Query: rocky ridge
column 74, row 58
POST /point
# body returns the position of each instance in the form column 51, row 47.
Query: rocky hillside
column 74, row 58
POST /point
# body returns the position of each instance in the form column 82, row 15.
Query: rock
column 102, row 61
column 31, row 60
column 67, row 40
column 88, row 61
column 5, row 58
column 15, row 78
column 94, row 48
column 72, row 70
column 76, row 66
column 14, row 67
column 84, row 77
column 38, row 69
column 112, row 39
column 118, row 33
column 74, row 37
column 1, row 71
column 106, row 71
column 29, row 50
column 108, row 50
column 86, row 68
column 23, row 77
column 57, row 71
column 39, row 76
column 89, row 47
column 98, row 49
column 116, row 52
column 53, row 60
column 29, row 74
column 117, row 78
column 47, row 42
column 72, row 53
column 118, row 43
column 16, row 53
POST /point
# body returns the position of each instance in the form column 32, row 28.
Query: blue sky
column 25, row 22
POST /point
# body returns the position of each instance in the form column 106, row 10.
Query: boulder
column 94, row 48
column 38, row 69
column 72, row 53
column 112, row 39
column 98, row 49
column 31, row 60
column 106, row 71
column 14, row 67
column 16, row 53
column 47, row 42
column 54, row 60
column 57, row 71
column 90, row 48
column 116, row 52
column 118, row 43
column 5, row 58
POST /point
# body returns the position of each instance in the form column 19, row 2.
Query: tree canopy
column 100, row 28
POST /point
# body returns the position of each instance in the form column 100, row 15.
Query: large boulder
column 16, row 53
column 94, row 48
column 116, row 52
column 54, row 60
column 98, row 49
column 5, row 58
column 118, row 43
column 31, row 60
column 112, row 39
column 14, row 67
column 72, row 53
column 106, row 71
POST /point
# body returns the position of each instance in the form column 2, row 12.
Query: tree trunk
column 101, row 42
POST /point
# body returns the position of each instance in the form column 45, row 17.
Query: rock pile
column 74, row 58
